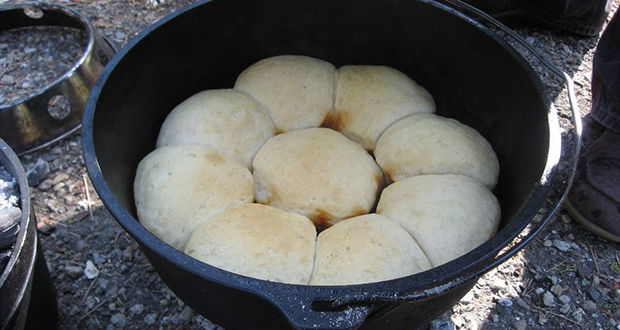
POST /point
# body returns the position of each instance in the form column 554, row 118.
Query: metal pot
column 27, row 295
column 474, row 75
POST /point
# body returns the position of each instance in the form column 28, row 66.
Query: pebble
column 150, row 318
column 205, row 323
column 440, row 324
column 468, row 298
column 118, row 319
column 589, row 305
column 547, row 243
column 505, row 302
column 556, row 290
column 74, row 271
column 564, row 299
column 186, row 314
column 519, row 325
column 7, row 79
column 594, row 294
column 561, row 245
column 38, row 172
column 539, row 290
column 522, row 303
column 45, row 185
column 548, row 299
column 578, row 314
column 90, row 270
column 137, row 309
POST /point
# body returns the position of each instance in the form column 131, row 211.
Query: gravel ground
column 566, row 278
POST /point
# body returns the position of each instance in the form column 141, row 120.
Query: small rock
column 594, row 294
column 112, row 306
column 519, row 325
column 205, row 323
column 553, row 279
column 522, row 303
column 7, row 80
column 578, row 315
column 90, row 302
column 38, row 172
column 73, row 271
column 548, row 299
column 565, row 309
column 137, row 309
column 45, row 185
column 440, row 324
column 556, row 290
column 564, row 299
column 186, row 314
column 547, row 243
column 469, row 297
column 589, row 305
column 561, row 245
column 90, row 270
column 118, row 320
column 505, row 302
column 542, row 318
column 539, row 290
column 59, row 186
column 150, row 319
column 60, row 178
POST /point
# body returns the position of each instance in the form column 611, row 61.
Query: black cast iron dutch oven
column 474, row 76
column 27, row 295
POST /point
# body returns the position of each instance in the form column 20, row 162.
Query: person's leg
column 583, row 17
column 594, row 199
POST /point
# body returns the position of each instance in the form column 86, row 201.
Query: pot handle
column 299, row 306
column 559, row 186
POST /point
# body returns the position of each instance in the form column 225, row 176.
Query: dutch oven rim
column 16, row 168
column 417, row 286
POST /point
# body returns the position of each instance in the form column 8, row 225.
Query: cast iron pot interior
column 474, row 77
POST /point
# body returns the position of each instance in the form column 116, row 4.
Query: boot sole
column 582, row 220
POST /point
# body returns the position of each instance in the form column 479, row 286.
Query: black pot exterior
column 474, row 77
column 25, row 282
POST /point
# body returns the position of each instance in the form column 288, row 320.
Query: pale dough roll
column 229, row 121
column 431, row 144
column 316, row 172
column 257, row 241
column 178, row 187
column 368, row 248
column 297, row 91
column 448, row 215
column 369, row 98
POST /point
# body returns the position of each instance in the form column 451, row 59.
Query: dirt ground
column 566, row 278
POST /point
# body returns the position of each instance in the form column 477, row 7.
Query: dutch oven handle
column 348, row 312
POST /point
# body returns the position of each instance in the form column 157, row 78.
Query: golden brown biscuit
column 370, row 97
column 257, row 241
column 448, row 215
column 297, row 91
column 178, row 187
column 364, row 249
column 316, row 172
column 229, row 121
column 431, row 144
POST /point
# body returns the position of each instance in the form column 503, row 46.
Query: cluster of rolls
column 244, row 178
